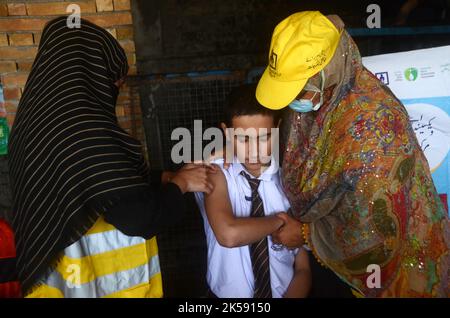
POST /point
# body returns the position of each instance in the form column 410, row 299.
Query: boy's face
column 252, row 140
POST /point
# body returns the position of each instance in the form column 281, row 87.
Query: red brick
column 120, row 111
column 124, row 90
column 104, row 5
column 128, row 110
column 123, row 100
column 122, row 5
column 125, row 34
column 124, row 122
column 131, row 57
column 11, row 93
column 14, row 79
column 110, row 19
column 19, row 24
column 2, row 110
column 128, row 46
column 20, row 39
column 10, row 118
column 132, row 70
column 17, row 9
column 3, row 39
column 37, row 37
column 58, row 8
column 7, row 66
column 11, row 106
column 3, row 10
column 24, row 65
column 11, row 52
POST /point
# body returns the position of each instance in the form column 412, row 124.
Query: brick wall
column 21, row 24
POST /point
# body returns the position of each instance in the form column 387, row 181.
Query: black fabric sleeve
column 148, row 212
column 154, row 178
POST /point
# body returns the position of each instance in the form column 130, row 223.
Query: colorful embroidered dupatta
column 357, row 177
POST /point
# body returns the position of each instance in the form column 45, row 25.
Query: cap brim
column 275, row 94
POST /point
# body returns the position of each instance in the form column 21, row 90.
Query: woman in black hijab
column 82, row 192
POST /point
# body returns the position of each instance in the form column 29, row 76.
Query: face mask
column 306, row 105
column 302, row 105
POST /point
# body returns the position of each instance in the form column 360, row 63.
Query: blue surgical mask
column 306, row 105
column 302, row 105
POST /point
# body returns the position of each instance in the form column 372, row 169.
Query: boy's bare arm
column 300, row 285
column 232, row 231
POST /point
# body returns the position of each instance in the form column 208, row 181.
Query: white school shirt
column 229, row 272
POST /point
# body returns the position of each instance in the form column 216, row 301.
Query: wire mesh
column 168, row 103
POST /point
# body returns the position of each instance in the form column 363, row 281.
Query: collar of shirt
column 268, row 175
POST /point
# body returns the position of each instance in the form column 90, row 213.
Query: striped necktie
column 259, row 252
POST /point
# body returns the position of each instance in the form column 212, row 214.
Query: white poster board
column 421, row 80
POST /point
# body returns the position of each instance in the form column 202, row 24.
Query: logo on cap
column 273, row 60
column 317, row 60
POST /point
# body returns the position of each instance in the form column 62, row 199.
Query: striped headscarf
column 69, row 159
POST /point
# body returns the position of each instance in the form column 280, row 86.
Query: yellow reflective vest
column 104, row 263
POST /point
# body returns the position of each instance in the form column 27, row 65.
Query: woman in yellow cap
column 352, row 169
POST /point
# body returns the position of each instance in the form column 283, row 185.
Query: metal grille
column 168, row 103
column 171, row 103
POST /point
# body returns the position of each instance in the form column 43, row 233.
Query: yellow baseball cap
column 301, row 46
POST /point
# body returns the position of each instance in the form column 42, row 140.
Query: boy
column 244, row 208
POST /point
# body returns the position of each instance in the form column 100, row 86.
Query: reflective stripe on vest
column 104, row 263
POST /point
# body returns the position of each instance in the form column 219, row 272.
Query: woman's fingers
column 195, row 177
column 188, row 166
column 202, row 186
column 212, row 168
column 208, row 187
column 198, row 179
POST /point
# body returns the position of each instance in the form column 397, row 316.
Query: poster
column 421, row 80
column 4, row 130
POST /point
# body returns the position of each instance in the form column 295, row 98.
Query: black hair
column 242, row 101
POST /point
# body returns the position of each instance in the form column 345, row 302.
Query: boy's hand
column 290, row 234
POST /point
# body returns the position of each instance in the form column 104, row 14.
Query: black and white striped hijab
column 68, row 156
